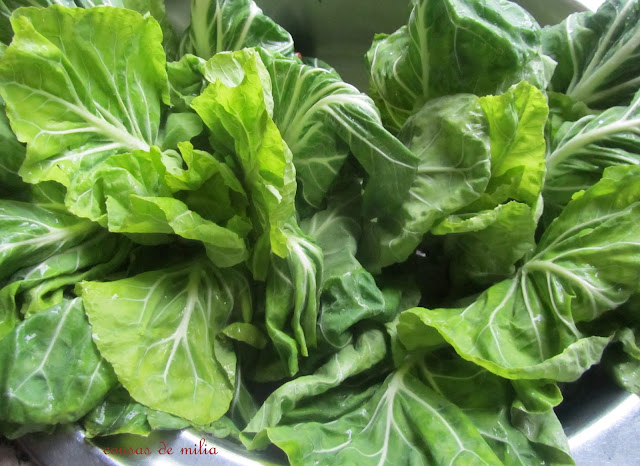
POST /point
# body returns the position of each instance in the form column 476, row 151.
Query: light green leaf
column 236, row 107
column 180, row 128
column 155, row 7
column 133, row 193
column 246, row 333
column 97, row 79
column 229, row 25
column 517, row 121
column 170, row 319
column 50, row 370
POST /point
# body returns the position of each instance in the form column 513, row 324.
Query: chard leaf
column 173, row 360
column 493, row 233
column 155, row 7
column 186, row 81
column 593, row 247
column 133, row 193
column 349, row 292
column 450, row 47
column 596, row 54
column 118, row 413
column 582, row 149
column 321, row 118
column 402, row 421
column 43, row 285
column 292, row 295
column 484, row 247
column 563, row 108
column 230, row 25
column 453, row 171
column 97, row 79
column 517, row 121
column 51, row 372
column 587, row 262
column 31, row 233
column 12, row 155
column 180, row 128
column 236, row 107
column 365, row 352
column 516, row 436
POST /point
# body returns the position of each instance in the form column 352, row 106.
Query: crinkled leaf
column 508, row 331
column 185, row 81
column 155, row 7
column 515, row 435
column 180, row 128
column 229, row 25
column 51, row 371
column 454, row 46
column 321, row 118
column 41, row 286
column 81, row 85
column 563, row 108
column 349, row 292
column 173, row 360
column 362, row 354
column 305, row 98
column 133, row 193
column 492, row 233
column 236, row 107
column 517, row 121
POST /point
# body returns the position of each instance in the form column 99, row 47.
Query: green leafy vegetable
column 51, row 371
column 582, row 149
column 451, row 47
column 170, row 319
column 596, row 54
column 525, row 327
column 95, row 96
column 219, row 25
column 233, row 240
column 117, row 414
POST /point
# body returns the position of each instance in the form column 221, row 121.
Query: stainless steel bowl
column 600, row 419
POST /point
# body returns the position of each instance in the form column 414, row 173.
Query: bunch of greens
column 204, row 230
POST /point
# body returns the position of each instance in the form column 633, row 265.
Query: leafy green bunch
column 203, row 230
